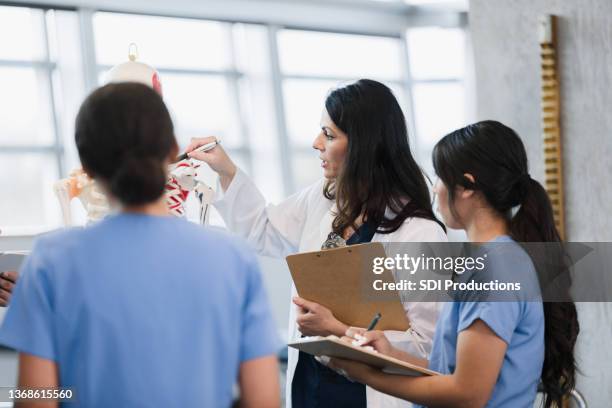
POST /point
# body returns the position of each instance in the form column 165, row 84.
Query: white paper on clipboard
column 11, row 261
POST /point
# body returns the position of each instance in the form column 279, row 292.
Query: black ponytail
column 495, row 156
column 124, row 135
column 534, row 222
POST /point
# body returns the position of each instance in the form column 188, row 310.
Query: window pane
column 436, row 52
column 21, row 33
column 239, row 158
column 304, row 102
column 400, row 94
column 162, row 41
column 27, row 194
column 442, row 3
column 339, row 55
column 24, row 102
column 306, row 169
column 201, row 106
column 69, row 82
column 439, row 109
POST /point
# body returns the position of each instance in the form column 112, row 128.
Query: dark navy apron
column 315, row 385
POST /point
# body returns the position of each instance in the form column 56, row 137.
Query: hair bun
column 138, row 180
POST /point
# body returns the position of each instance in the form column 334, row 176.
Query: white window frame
column 360, row 17
column 49, row 68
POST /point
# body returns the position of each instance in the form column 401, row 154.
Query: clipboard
column 334, row 278
column 11, row 261
column 332, row 346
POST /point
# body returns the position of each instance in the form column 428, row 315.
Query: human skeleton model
column 182, row 180
column 181, row 176
column 79, row 185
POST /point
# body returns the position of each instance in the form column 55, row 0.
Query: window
column 33, row 103
column 312, row 53
column 259, row 88
column 193, row 58
column 207, row 78
column 437, row 67
column 311, row 64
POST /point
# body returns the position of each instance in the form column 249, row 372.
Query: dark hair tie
column 525, row 178
column 523, row 182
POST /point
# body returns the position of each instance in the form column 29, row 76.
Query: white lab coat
column 301, row 223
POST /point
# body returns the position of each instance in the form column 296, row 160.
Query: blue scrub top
column 518, row 323
column 142, row 311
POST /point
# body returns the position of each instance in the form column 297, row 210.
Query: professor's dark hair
column 124, row 134
column 495, row 156
column 379, row 171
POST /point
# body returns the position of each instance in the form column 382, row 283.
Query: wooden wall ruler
column 551, row 128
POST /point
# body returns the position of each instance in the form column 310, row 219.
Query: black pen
column 359, row 339
column 203, row 148
column 374, row 322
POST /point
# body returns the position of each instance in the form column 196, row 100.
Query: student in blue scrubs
column 492, row 353
column 142, row 309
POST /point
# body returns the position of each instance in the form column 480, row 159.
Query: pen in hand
column 374, row 322
column 203, row 148
column 361, row 340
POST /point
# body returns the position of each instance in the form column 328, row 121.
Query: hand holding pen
column 210, row 151
column 370, row 337
column 200, row 149
column 358, row 333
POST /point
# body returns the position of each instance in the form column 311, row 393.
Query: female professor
column 372, row 190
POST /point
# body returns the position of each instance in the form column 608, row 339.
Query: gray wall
column 506, row 59
column 506, row 49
